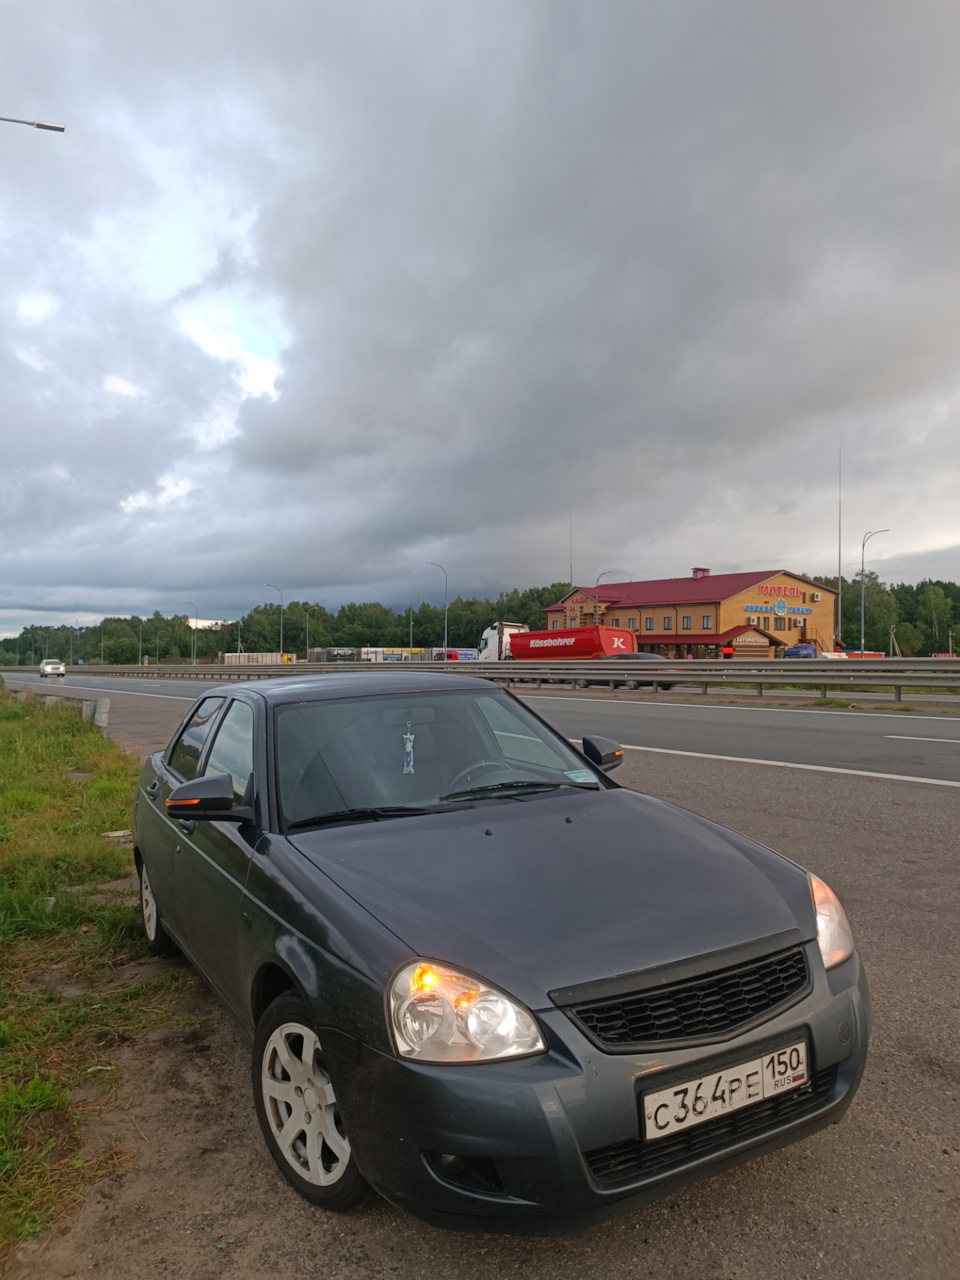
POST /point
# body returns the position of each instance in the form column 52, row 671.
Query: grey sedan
column 477, row 975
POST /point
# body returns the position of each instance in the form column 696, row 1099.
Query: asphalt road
column 891, row 744
column 876, row 1196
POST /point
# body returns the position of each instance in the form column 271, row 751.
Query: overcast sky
column 311, row 293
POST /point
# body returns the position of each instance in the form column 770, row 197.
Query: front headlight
column 440, row 1015
column 833, row 929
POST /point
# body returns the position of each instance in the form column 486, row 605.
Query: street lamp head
column 872, row 533
column 596, row 592
column 36, row 124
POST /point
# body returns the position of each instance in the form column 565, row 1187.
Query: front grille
column 701, row 1008
column 627, row 1161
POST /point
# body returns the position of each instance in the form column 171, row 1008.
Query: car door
column 212, row 858
column 158, row 835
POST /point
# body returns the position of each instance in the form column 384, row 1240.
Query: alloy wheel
column 301, row 1106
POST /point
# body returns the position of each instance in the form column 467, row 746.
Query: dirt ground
column 200, row 1196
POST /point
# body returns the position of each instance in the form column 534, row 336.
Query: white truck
column 494, row 644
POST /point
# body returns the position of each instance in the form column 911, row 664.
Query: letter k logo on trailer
column 619, row 642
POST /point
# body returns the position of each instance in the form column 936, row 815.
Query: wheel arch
column 271, row 980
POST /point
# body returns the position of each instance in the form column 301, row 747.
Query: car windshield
column 403, row 752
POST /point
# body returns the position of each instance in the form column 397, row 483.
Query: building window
column 668, row 624
column 687, row 622
column 614, row 622
column 779, row 624
column 708, row 622
column 632, row 624
column 556, row 625
column 648, row 623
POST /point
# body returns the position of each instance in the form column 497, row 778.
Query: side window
column 186, row 754
column 233, row 749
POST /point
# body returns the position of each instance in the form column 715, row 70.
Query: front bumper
column 550, row 1144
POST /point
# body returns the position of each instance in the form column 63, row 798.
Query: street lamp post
column 159, row 634
column 140, row 648
column 280, row 593
column 444, row 572
column 196, row 620
column 596, row 593
column 863, row 547
column 35, row 124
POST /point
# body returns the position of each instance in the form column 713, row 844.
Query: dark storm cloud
column 642, row 264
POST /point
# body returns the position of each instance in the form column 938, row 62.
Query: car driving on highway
column 631, row 682
column 52, row 667
column 479, row 976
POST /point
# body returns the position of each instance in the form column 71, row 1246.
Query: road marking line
column 712, row 706
column 902, row 737
column 787, row 764
column 130, row 693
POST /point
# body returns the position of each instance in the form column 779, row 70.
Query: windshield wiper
column 521, row 786
column 371, row 814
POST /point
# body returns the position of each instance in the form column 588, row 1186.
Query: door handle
column 187, row 825
column 153, row 788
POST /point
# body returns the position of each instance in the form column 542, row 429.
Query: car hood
column 554, row 890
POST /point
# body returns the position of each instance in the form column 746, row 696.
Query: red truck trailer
column 577, row 642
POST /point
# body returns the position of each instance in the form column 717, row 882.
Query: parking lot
column 878, row 1195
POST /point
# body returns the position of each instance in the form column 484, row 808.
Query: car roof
column 357, row 684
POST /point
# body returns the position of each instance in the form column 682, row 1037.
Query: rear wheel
column 298, row 1110
column 159, row 942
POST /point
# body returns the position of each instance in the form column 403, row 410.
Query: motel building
column 757, row 615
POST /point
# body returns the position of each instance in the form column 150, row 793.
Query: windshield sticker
column 580, row 775
column 408, row 750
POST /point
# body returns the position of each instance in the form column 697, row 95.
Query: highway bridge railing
column 828, row 677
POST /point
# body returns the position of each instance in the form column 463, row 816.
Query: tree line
column 124, row 640
column 922, row 615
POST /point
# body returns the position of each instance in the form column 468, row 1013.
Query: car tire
column 298, row 1110
column 581, row 684
column 159, row 942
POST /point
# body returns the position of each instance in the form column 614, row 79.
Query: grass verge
column 62, row 784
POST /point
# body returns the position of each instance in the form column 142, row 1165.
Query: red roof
column 709, row 589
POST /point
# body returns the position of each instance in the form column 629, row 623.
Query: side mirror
column 603, row 752
column 210, row 798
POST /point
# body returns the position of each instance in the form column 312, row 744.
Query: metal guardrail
column 825, row 675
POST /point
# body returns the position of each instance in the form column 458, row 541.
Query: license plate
column 695, row 1101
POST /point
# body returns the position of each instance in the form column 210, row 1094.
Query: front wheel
column 298, row 1109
